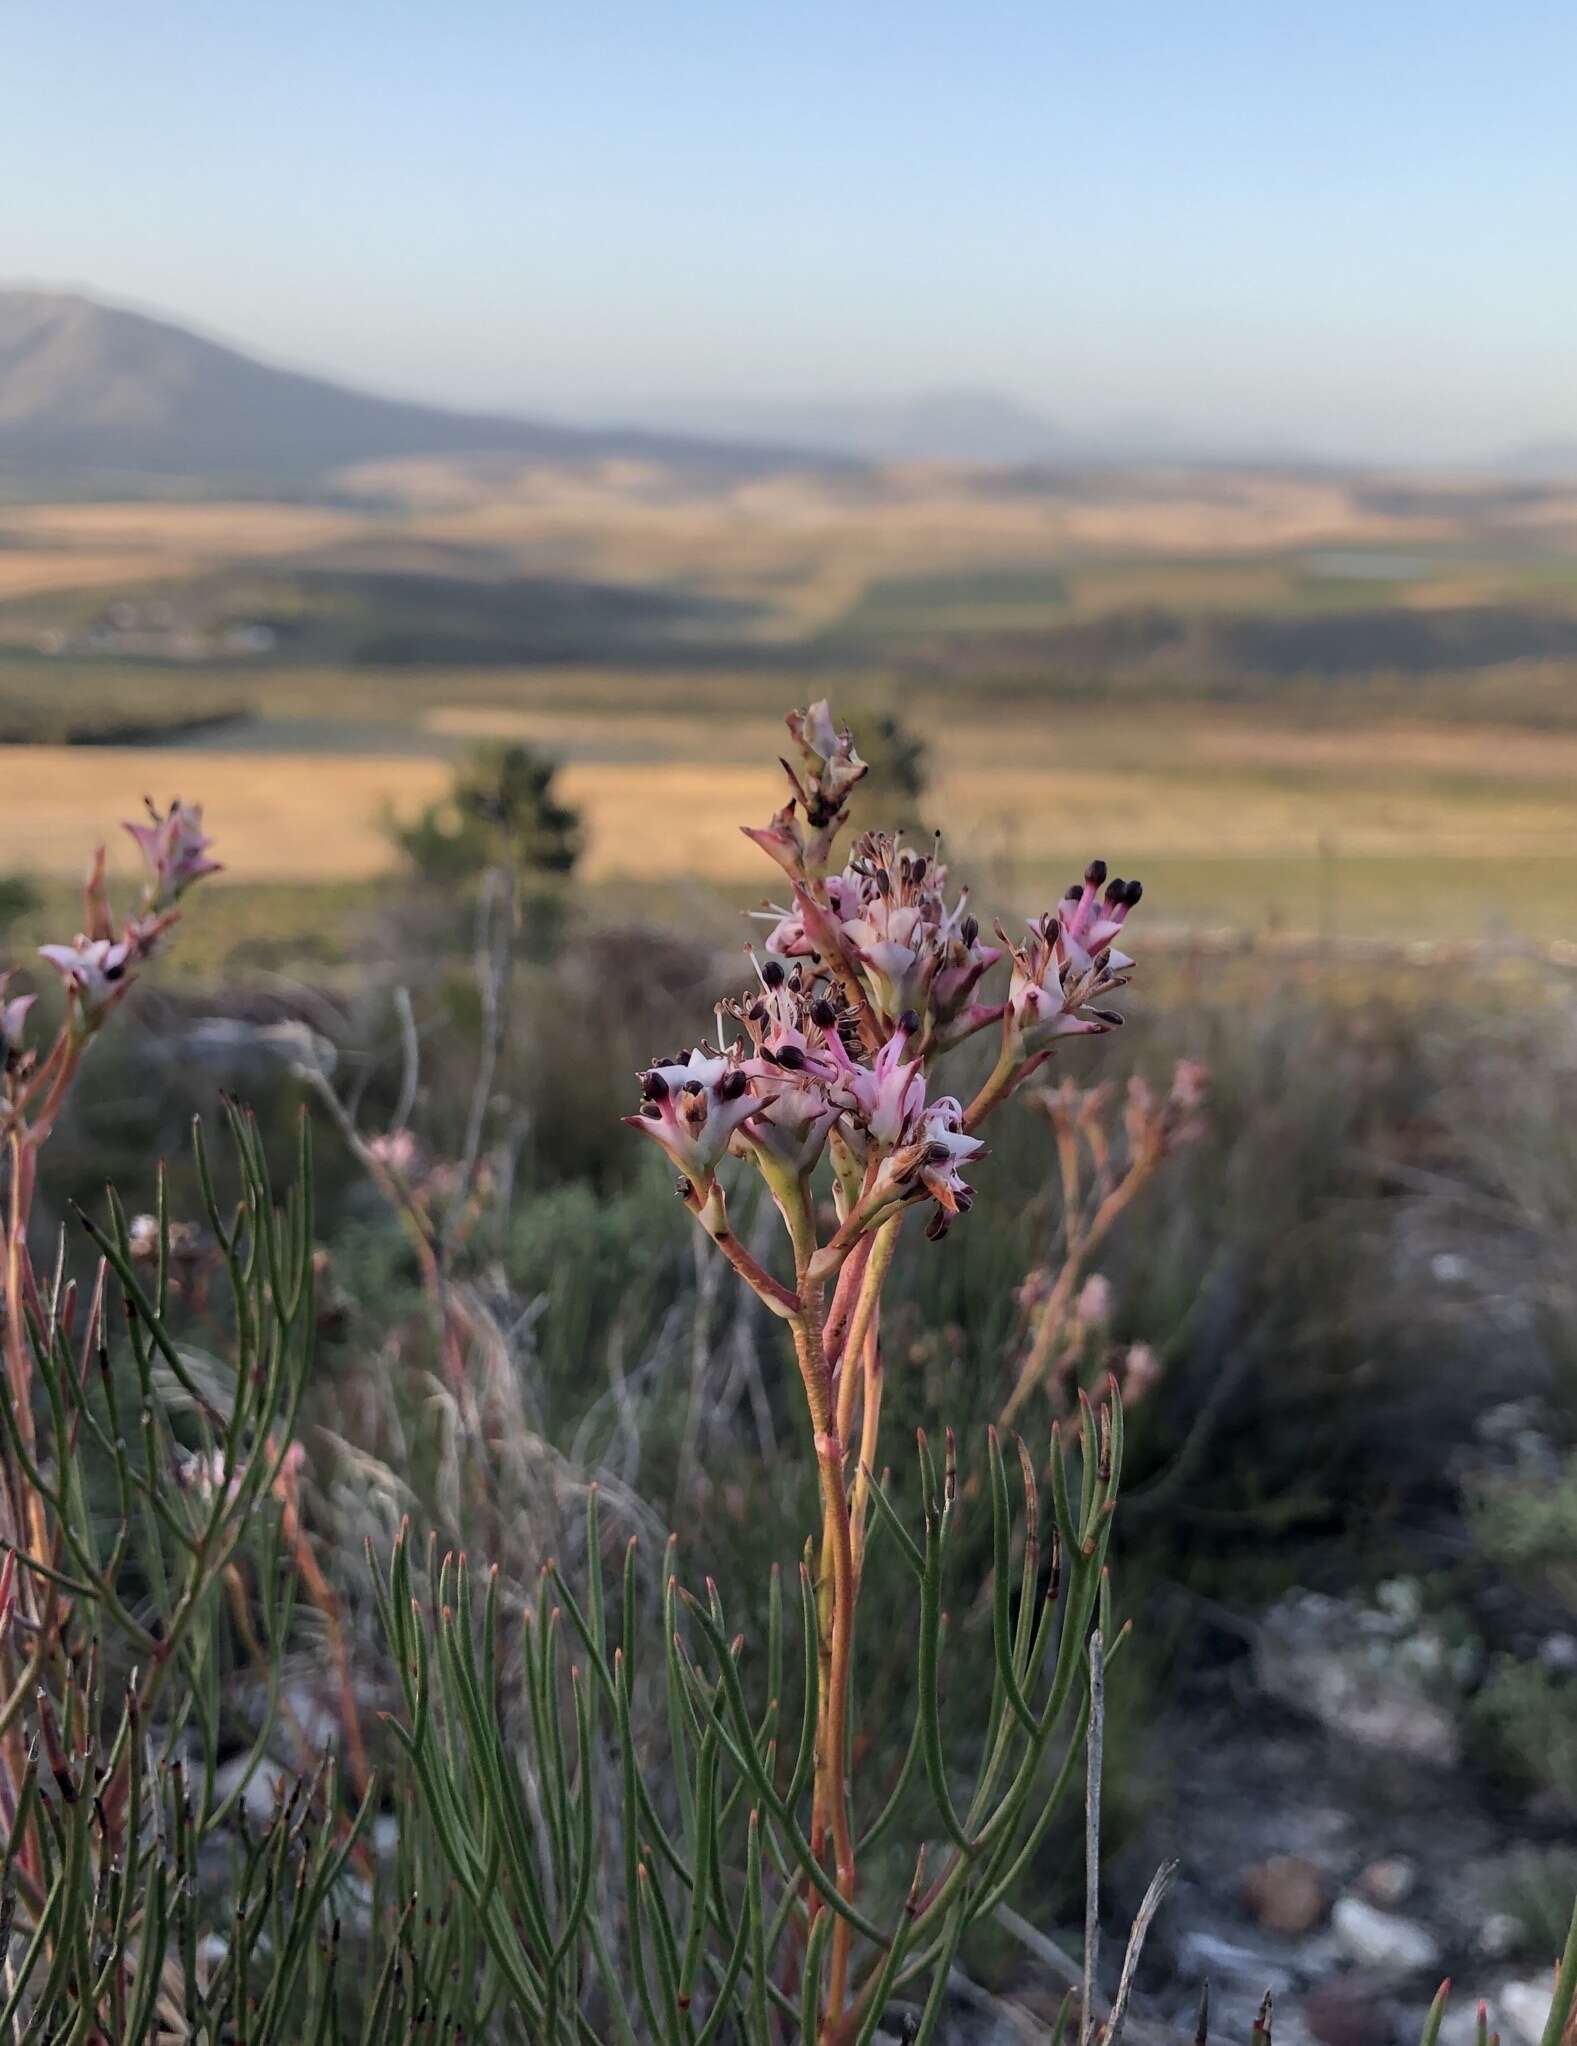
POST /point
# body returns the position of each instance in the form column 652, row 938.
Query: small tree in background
column 899, row 771
column 501, row 828
column 501, row 812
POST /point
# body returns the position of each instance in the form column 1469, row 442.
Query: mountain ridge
column 92, row 389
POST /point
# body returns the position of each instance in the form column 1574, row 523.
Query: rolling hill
column 92, row 392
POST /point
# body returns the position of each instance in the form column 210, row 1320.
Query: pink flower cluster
column 778, row 1094
column 98, row 965
column 870, row 974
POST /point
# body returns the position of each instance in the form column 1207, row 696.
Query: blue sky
column 1348, row 226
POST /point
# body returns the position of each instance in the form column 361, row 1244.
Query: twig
column 495, row 918
column 410, row 1059
column 1160, row 1883
column 1035, row 1942
column 1094, row 1741
column 969, row 1991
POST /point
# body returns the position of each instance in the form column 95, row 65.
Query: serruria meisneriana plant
column 871, row 977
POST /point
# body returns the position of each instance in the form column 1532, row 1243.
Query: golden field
column 1203, row 786
column 1379, row 792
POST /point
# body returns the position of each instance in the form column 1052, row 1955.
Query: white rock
column 1522, row 2010
column 1382, row 1941
column 263, row 1786
column 1500, row 1934
column 1389, row 1882
column 1362, row 1672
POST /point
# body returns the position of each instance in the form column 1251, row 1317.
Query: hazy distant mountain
column 91, row 390
column 1545, row 461
column 962, row 425
column 955, row 425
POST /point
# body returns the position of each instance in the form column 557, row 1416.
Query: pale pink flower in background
column 1190, row 1083
column 1033, row 1289
column 1095, row 1302
column 175, row 848
column 1164, row 1123
column 13, row 1020
column 204, row 1475
column 1141, row 1369
column 397, row 1151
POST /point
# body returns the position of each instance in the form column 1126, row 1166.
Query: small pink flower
column 175, row 849
column 831, row 763
column 945, row 1147
column 791, row 1067
column 96, row 973
column 1090, row 923
column 1033, row 1289
column 885, row 1097
column 692, row 1108
column 963, row 961
column 788, row 937
column 914, row 953
column 1057, row 978
column 1094, row 1304
column 924, row 1157
column 781, row 839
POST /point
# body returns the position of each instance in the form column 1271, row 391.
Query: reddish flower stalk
column 98, row 968
column 873, row 973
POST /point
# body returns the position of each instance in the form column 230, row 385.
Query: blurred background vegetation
column 474, row 744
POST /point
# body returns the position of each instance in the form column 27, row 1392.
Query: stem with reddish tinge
column 1052, row 1315
column 870, row 1428
column 878, row 1262
column 836, row 1328
column 1004, row 1077
column 835, row 1594
column 712, row 1214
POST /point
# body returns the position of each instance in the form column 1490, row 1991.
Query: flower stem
column 1005, row 1076
column 712, row 1214
column 835, row 1594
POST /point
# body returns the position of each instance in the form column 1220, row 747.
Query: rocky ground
column 1340, row 1843
column 1337, row 1844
